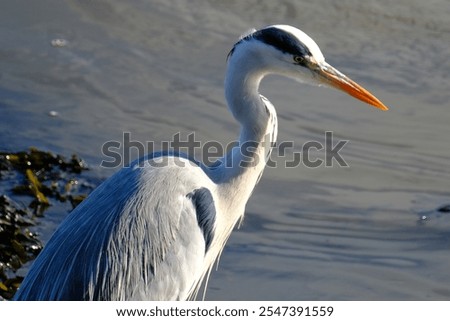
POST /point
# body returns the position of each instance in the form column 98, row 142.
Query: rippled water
column 155, row 68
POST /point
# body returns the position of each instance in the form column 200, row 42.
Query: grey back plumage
column 122, row 242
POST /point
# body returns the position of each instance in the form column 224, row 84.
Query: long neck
column 241, row 168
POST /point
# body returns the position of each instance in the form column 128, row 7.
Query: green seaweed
column 18, row 244
column 44, row 177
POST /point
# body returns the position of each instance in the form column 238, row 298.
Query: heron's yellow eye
column 299, row 60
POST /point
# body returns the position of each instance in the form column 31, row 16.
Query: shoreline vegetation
column 31, row 182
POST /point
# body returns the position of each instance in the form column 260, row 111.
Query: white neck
column 241, row 168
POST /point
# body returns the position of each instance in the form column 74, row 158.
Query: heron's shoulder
column 161, row 158
column 167, row 168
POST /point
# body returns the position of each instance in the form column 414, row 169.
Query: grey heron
column 153, row 232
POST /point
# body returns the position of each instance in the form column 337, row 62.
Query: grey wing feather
column 206, row 213
column 123, row 243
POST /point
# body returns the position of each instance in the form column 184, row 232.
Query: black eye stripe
column 282, row 40
column 279, row 39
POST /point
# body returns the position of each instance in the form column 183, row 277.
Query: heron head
column 289, row 51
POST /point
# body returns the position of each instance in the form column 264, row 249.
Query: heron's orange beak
column 333, row 77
